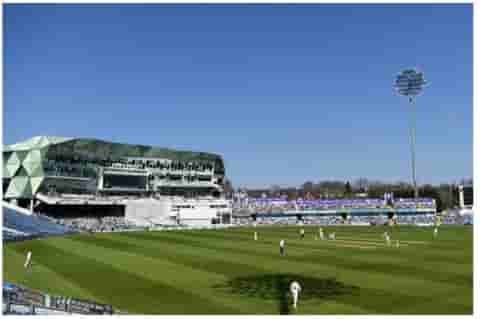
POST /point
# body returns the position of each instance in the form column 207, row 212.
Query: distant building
column 465, row 199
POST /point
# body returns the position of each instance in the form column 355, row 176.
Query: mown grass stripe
column 371, row 304
column 417, row 279
column 203, row 259
column 124, row 290
column 293, row 257
column 193, row 281
column 373, row 263
column 432, row 253
column 39, row 276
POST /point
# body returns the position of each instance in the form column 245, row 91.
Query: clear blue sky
column 284, row 93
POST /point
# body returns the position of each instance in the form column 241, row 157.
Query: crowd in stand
column 414, row 203
column 336, row 220
column 371, row 220
column 108, row 223
column 282, row 204
column 276, row 220
column 416, row 219
column 11, row 236
column 323, row 220
column 452, row 218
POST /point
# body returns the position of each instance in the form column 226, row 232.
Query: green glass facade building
column 45, row 164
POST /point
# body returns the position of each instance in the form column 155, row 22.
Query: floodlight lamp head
column 409, row 83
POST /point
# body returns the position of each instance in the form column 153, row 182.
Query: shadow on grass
column 277, row 287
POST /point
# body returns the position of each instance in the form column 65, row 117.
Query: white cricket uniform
column 282, row 247
column 386, row 236
column 435, row 232
column 28, row 260
column 295, row 289
column 321, row 234
column 255, row 236
column 332, row 236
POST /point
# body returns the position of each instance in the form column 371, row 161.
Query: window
column 124, row 181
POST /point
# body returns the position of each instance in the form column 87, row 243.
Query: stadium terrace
column 341, row 207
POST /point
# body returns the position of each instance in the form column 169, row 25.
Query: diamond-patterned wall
column 22, row 162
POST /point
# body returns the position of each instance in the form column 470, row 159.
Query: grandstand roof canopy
column 105, row 147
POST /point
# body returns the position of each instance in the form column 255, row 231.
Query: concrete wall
column 145, row 212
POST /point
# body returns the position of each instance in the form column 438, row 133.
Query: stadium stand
column 454, row 217
column 109, row 223
column 414, row 203
column 19, row 300
column 368, row 220
column 323, row 220
column 353, row 211
column 20, row 223
column 270, row 205
column 427, row 219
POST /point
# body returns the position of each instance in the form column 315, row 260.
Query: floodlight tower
column 410, row 83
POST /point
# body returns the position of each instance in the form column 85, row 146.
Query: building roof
column 104, row 148
column 35, row 143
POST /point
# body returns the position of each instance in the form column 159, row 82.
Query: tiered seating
column 322, row 220
column 20, row 300
column 281, row 204
column 15, row 222
column 109, row 223
column 371, row 220
column 414, row 203
column 416, row 219
column 11, row 234
column 341, row 203
column 276, row 220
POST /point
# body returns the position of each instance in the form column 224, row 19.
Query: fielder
column 387, row 238
column 295, row 289
column 302, row 233
column 320, row 231
column 282, row 247
column 331, row 236
column 28, row 261
column 255, row 236
column 435, row 232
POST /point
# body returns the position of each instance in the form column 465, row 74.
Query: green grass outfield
column 226, row 272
